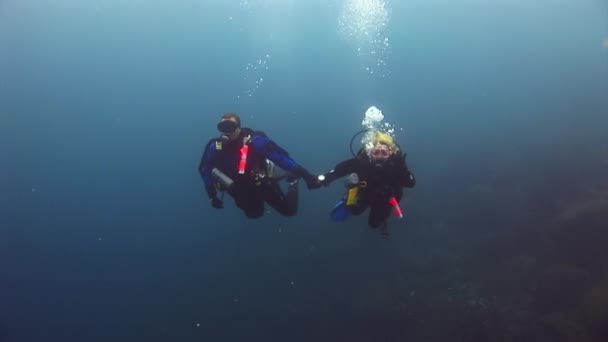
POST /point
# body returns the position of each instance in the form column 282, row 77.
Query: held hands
column 313, row 182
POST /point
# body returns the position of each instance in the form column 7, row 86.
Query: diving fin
column 340, row 212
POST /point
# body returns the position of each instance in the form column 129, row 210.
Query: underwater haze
column 106, row 233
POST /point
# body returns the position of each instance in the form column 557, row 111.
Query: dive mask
column 380, row 153
column 227, row 126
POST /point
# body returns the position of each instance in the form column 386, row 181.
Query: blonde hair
column 385, row 139
column 381, row 138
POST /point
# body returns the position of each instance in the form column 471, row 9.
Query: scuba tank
column 274, row 172
column 352, row 184
column 351, row 197
column 341, row 211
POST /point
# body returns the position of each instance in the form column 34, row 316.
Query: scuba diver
column 377, row 175
column 242, row 162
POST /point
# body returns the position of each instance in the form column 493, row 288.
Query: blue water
column 106, row 233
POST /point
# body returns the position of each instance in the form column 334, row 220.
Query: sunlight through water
column 364, row 23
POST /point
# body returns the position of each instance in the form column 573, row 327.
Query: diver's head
column 379, row 153
column 381, row 148
column 230, row 126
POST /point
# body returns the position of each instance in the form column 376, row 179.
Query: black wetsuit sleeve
column 270, row 150
column 340, row 170
column 206, row 165
column 406, row 177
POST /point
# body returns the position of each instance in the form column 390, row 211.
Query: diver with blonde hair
column 377, row 175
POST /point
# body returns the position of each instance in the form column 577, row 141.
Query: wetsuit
column 253, row 187
column 377, row 183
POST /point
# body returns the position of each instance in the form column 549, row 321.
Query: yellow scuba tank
column 352, row 184
column 351, row 197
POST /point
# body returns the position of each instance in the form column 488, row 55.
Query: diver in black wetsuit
column 377, row 176
column 241, row 162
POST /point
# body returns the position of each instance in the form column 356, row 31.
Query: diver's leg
column 285, row 204
column 358, row 209
column 378, row 217
column 379, row 214
column 292, row 196
column 361, row 205
column 250, row 201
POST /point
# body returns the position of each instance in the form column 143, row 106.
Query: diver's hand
column 217, row 203
column 312, row 182
column 351, row 180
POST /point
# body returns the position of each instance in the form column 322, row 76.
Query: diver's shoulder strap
column 259, row 133
column 247, row 134
column 247, row 139
column 249, row 131
column 211, row 141
column 215, row 141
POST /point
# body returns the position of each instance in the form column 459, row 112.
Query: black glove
column 312, row 182
column 217, row 203
column 298, row 172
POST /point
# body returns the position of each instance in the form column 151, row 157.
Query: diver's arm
column 205, row 167
column 340, row 170
column 407, row 178
column 270, row 150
